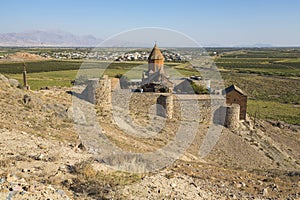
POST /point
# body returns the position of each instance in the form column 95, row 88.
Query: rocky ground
column 42, row 156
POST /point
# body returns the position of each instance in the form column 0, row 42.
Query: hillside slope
column 42, row 157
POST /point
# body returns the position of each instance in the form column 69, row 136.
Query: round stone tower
column 232, row 119
column 103, row 96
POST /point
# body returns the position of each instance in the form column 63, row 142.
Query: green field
column 43, row 79
column 281, row 53
column 61, row 65
column 269, row 61
column 61, row 73
column 270, row 77
column 274, row 110
column 266, row 66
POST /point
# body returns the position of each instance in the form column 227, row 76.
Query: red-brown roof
column 156, row 54
column 234, row 87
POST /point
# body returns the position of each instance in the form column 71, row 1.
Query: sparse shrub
column 118, row 75
column 199, row 89
column 98, row 184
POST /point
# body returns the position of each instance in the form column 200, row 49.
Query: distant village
column 114, row 56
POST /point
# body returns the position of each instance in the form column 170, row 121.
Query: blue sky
column 224, row 22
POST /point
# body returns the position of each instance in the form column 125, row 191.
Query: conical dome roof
column 156, row 54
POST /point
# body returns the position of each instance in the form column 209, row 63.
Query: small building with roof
column 234, row 95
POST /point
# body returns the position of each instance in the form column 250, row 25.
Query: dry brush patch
column 98, row 184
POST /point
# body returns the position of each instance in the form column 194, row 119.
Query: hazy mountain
column 255, row 45
column 47, row 38
column 65, row 39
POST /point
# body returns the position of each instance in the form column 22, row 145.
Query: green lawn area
column 43, row 79
column 274, row 110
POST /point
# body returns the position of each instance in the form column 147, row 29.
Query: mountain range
column 47, row 38
column 41, row 38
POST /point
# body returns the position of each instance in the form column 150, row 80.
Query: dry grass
column 92, row 183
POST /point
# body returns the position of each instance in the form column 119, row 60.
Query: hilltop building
column 154, row 79
column 235, row 95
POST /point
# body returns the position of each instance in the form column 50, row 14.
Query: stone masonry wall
column 103, row 97
column 89, row 92
column 166, row 102
column 234, row 97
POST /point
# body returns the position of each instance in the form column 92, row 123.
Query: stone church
column 155, row 79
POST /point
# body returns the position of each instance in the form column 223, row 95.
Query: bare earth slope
column 21, row 57
column 41, row 157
